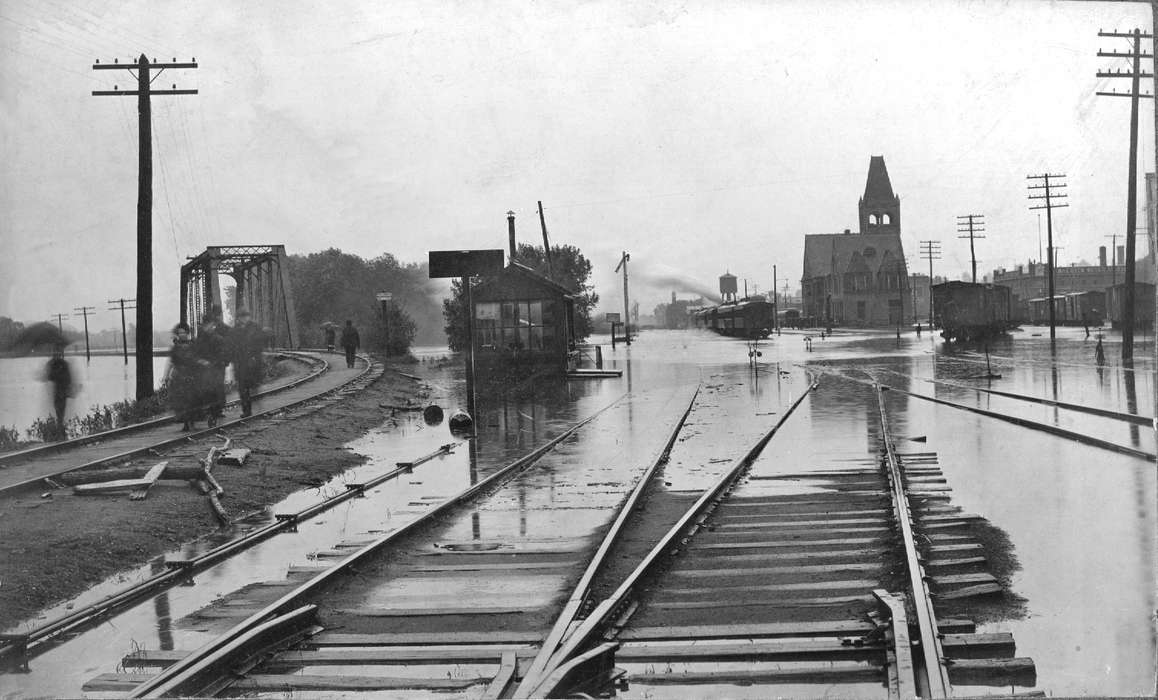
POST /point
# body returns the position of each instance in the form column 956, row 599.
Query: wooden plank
column 442, row 654
column 822, row 602
column 697, row 559
column 953, row 548
column 345, row 639
column 772, row 570
column 153, row 658
column 150, row 478
column 882, row 520
column 992, row 672
column 235, row 456
column 827, row 672
column 115, row 682
column 756, row 650
column 724, row 515
column 503, row 678
column 992, row 644
column 902, row 650
column 963, row 579
column 857, row 584
column 497, row 568
column 837, row 543
column 108, row 486
column 430, row 612
column 962, row 561
column 748, row 630
column 287, row 683
column 970, row 591
column 941, row 518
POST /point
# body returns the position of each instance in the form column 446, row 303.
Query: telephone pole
column 143, row 93
column 546, row 243
column 85, row 311
column 931, row 250
column 1113, row 257
column 775, row 304
column 1049, row 196
column 971, row 224
column 626, row 329
column 1135, row 74
column 124, row 331
column 59, row 325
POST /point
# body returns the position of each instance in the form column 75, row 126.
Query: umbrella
column 39, row 335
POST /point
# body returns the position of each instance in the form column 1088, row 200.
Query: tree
column 569, row 267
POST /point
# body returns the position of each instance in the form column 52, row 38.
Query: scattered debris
column 120, row 484
column 235, row 456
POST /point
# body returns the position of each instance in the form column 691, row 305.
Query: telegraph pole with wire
column 1049, row 194
column 1136, row 54
column 124, row 332
column 972, row 225
column 931, row 250
column 59, row 324
column 626, row 329
column 144, row 92
column 86, row 311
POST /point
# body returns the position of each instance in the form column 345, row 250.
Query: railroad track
column 768, row 584
column 262, row 416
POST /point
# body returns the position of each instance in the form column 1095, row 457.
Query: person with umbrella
column 59, row 374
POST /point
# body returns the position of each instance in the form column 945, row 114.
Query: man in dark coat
column 246, row 341
column 211, row 347
column 59, row 375
column 184, row 380
column 350, row 342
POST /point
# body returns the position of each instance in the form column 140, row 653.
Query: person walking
column 210, row 347
column 59, row 374
column 184, row 378
column 350, row 342
column 246, row 342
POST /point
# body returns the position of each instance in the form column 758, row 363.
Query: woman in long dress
column 185, row 371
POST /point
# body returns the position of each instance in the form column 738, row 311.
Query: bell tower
column 880, row 209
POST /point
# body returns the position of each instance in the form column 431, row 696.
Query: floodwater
column 106, row 379
column 1081, row 519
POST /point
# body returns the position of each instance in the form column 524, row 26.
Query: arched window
column 874, row 219
column 886, row 219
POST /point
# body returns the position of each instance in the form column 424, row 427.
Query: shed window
column 515, row 325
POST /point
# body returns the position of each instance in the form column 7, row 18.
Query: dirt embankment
column 54, row 548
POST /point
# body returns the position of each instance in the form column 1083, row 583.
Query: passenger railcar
column 967, row 311
column 1074, row 309
column 751, row 318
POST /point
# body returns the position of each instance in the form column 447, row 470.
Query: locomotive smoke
column 678, row 283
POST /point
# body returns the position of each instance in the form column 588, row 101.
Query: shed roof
column 526, row 275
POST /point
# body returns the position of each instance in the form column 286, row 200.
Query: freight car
column 750, row 318
column 1074, row 309
column 1143, row 305
column 967, row 311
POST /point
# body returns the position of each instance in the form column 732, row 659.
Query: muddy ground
column 54, row 548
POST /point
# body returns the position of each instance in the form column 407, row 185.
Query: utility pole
column 626, row 329
column 775, row 303
column 85, row 310
column 546, row 243
column 1135, row 75
column 931, row 250
column 124, row 331
column 59, row 325
column 1049, row 196
column 144, row 200
column 971, row 224
column 1113, row 257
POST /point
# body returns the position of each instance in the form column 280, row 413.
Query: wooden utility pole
column 124, row 331
column 972, row 225
column 1049, row 196
column 626, row 328
column 1135, row 75
column 1113, row 257
column 144, row 307
column 85, row 311
column 546, row 243
column 931, row 250
column 59, row 323
column 775, row 303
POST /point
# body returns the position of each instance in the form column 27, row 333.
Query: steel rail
column 44, row 637
column 181, row 677
column 586, row 634
column 33, row 482
column 1021, row 422
column 936, row 676
column 582, row 590
column 1101, row 412
column 319, row 367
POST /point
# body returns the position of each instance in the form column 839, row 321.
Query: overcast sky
column 698, row 136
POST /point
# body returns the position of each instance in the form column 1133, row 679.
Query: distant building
column 860, row 279
column 1031, row 281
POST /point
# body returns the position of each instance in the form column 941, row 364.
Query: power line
column 931, row 250
column 86, row 311
column 122, row 305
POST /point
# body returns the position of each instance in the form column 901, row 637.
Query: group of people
column 197, row 366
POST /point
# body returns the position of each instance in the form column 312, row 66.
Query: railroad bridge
column 261, row 273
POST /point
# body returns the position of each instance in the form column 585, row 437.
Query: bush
column 9, row 438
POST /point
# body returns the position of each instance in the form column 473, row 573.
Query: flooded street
column 1080, row 519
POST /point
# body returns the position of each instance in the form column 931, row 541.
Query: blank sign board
column 466, row 263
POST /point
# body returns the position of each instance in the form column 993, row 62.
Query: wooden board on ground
column 122, row 484
column 291, row 682
column 401, row 655
column 347, row 639
column 150, row 478
column 235, row 457
column 115, row 682
column 767, row 629
column 829, row 672
column 767, row 650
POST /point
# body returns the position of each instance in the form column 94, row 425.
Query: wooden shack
column 522, row 318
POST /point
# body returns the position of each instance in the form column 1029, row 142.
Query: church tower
column 880, row 209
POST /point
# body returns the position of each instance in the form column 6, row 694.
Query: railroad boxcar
column 968, row 311
column 1143, row 305
column 751, row 318
column 1073, row 309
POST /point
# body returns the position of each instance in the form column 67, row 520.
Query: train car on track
column 967, row 311
column 1074, row 309
column 750, row 318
